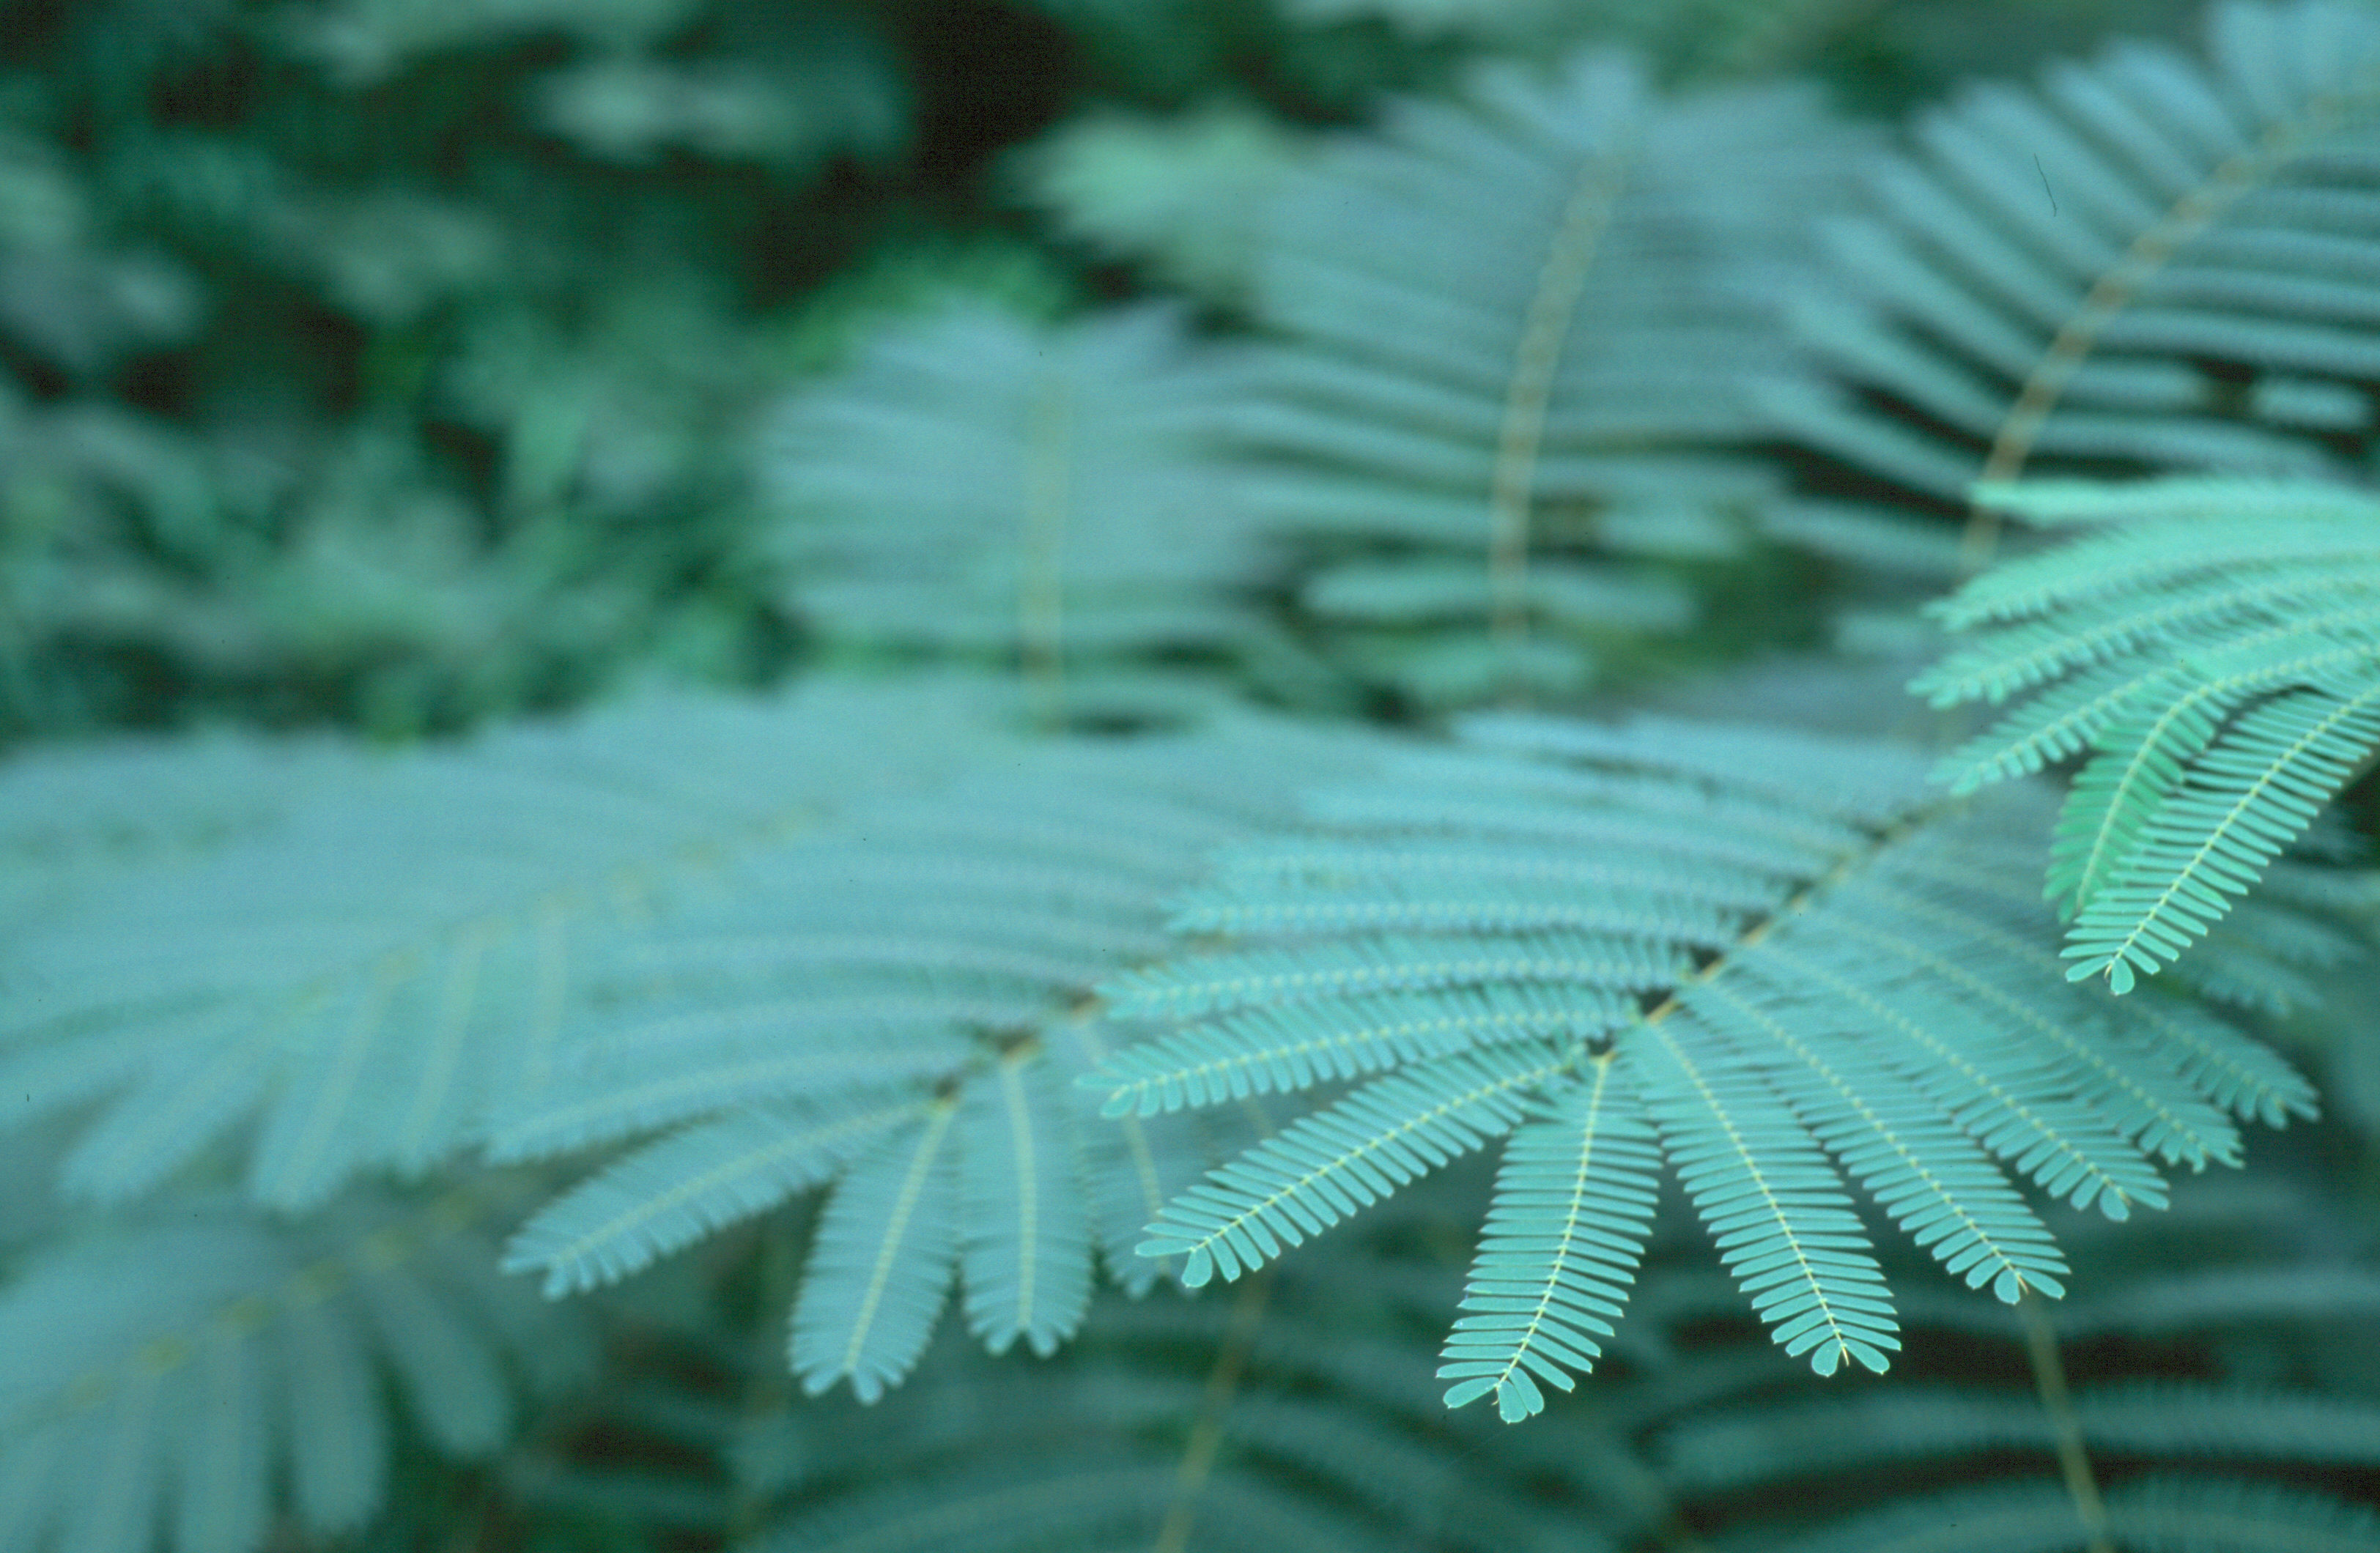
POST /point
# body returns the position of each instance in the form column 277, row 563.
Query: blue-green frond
column 2133, row 543
column 1573, row 1204
column 1935, row 910
column 918, row 966
column 1298, row 1045
column 2231, row 1070
column 1061, row 495
column 1450, row 869
column 1774, row 1206
column 1918, row 1165
column 1494, row 491
column 358, row 983
column 1852, row 992
column 879, row 1270
column 202, row 1371
column 2117, row 791
column 2243, row 975
column 2145, row 262
column 666, row 1196
column 629, row 1077
column 1395, row 905
column 2252, row 794
column 2021, row 1106
column 1128, row 1166
column 2282, row 949
column 1025, row 1251
column 2229, row 1422
column 1297, row 1392
column 1272, row 1416
column 1803, row 777
column 1618, row 810
column 1330, row 1163
column 2061, row 722
column 2213, row 647
column 73, row 818
column 1220, row 983
column 1182, row 193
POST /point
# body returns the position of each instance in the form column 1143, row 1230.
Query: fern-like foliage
column 1914, row 1423
column 1061, row 498
column 350, row 985
column 1283, row 1415
column 188, row 1375
column 2269, row 1443
column 2143, row 264
column 1269, row 1419
column 1774, row 956
column 2286, row 948
column 74, row 818
column 1185, row 195
column 2214, row 649
column 898, row 1007
column 1494, row 486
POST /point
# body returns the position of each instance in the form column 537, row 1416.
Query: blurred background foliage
column 399, row 363
column 404, row 366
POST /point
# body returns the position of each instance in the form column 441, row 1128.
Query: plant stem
column 1207, row 1434
column 2049, row 1381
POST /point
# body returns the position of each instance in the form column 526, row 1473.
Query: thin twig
column 2049, row 1381
column 1207, row 1434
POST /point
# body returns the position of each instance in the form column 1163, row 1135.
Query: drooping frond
column 1270, row 1419
column 1573, row 1203
column 355, row 983
column 2141, row 265
column 1060, row 502
column 718, row 1172
column 2271, row 1450
column 876, row 1279
column 1192, row 1424
column 1492, row 484
column 1779, row 950
column 1775, row 1207
column 1325, row 1166
column 2213, row 648
column 189, row 1375
column 1027, row 1258
column 893, row 1007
